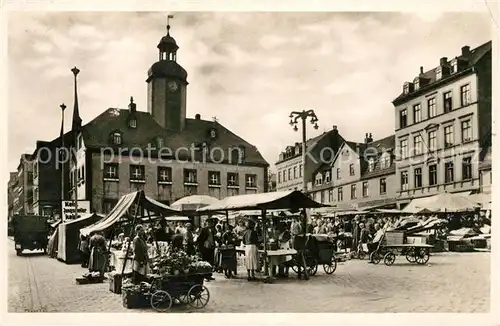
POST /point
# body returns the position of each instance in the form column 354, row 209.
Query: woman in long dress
column 97, row 261
column 251, row 241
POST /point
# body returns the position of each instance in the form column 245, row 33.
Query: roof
column 97, row 134
column 475, row 55
column 381, row 146
column 270, row 200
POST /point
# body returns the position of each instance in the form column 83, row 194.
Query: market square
column 288, row 198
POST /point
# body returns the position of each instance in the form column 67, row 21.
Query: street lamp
column 294, row 119
column 63, row 160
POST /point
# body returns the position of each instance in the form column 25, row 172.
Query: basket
column 115, row 283
column 132, row 299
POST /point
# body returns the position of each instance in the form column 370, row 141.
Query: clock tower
column 167, row 82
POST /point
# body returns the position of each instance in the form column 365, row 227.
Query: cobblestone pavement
column 452, row 282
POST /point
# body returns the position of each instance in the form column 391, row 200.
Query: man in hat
column 206, row 242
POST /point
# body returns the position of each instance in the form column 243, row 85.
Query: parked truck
column 30, row 232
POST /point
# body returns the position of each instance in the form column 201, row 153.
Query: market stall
column 293, row 200
column 69, row 237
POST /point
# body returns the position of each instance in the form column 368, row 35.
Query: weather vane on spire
column 168, row 23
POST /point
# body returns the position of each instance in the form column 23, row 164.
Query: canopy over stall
column 443, row 202
column 293, row 200
column 192, row 203
column 122, row 207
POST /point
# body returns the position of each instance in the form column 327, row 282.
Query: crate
column 115, row 283
column 394, row 237
column 132, row 299
column 416, row 240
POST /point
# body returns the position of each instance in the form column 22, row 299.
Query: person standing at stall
column 228, row 252
column 251, row 241
column 206, row 242
column 189, row 240
column 97, row 259
column 84, row 250
column 141, row 257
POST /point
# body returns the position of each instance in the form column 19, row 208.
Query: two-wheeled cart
column 319, row 250
column 394, row 243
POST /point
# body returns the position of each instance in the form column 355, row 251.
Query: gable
column 345, row 154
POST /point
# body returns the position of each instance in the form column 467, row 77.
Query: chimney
column 334, row 128
column 443, row 61
column 132, row 106
column 197, row 116
column 466, row 51
column 368, row 138
column 421, row 70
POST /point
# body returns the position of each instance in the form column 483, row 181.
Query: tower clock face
column 173, row 86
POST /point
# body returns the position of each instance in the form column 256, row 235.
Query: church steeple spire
column 168, row 46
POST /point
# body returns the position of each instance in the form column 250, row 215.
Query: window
column 431, row 107
column 111, row 171
column 371, row 165
column 295, row 172
column 454, row 66
column 279, row 176
column 383, row 186
column 353, row 191
column 284, row 175
column 330, row 195
column 448, row 136
column 403, row 118
column 327, row 176
column 465, row 94
column 164, row 174
column 385, row 161
column 466, row 168
column 418, row 177
column 132, row 123
column 300, row 171
column 432, row 175
column 432, row 140
column 406, row 88
column 365, row 189
column 137, row 173
column 232, row 180
column 351, row 169
column 159, row 142
column 448, row 102
column 448, row 172
column 338, row 173
column 466, row 131
column 416, row 83
column 190, row 177
column 319, row 179
column 417, row 145
column 214, row 178
column 290, row 174
column 340, row 195
column 251, row 181
column 404, row 148
column 417, row 113
column 404, row 180
column 439, row 73
column 117, row 138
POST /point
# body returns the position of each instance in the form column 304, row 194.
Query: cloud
column 248, row 69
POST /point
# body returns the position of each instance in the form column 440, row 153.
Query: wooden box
column 394, row 237
column 133, row 299
column 115, row 283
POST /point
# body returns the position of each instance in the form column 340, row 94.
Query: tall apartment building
column 360, row 175
column 290, row 163
column 443, row 126
column 11, row 193
column 22, row 187
column 161, row 151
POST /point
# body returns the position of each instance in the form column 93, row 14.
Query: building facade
column 11, row 193
column 443, row 120
column 289, row 167
column 361, row 175
column 161, row 151
column 22, row 187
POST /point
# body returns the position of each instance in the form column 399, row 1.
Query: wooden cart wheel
column 411, row 256
column 389, row 258
column 422, row 256
column 161, row 301
column 375, row 257
column 312, row 269
column 198, row 296
column 332, row 267
column 295, row 266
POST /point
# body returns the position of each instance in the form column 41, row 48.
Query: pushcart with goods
column 394, row 243
column 319, row 250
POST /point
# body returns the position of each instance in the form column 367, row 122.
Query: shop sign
column 69, row 209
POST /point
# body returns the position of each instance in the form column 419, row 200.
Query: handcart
column 394, row 243
column 185, row 289
column 319, row 250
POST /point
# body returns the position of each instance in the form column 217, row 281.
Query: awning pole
column 131, row 233
column 154, row 236
column 227, row 217
column 264, row 234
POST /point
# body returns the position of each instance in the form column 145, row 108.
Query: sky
column 250, row 70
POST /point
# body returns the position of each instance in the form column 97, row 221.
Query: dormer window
column 416, row 83
column 117, row 138
column 406, row 88
column 439, row 73
column 371, row 164
column 327, row 176
column 454, row 66
column 319, row 179
column 132, row 123
column 159, row 142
